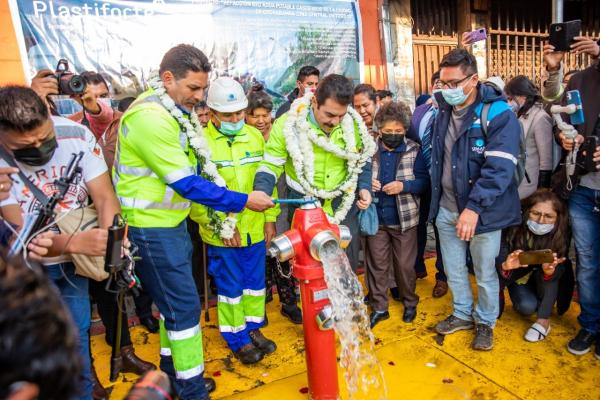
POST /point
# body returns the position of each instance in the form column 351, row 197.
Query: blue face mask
column 231, row 128
column 539, row 229
column 455, row 96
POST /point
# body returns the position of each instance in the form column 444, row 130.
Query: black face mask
column 37, row 156
column 392, row 140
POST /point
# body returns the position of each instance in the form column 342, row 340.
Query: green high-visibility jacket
column 237, row 160
column 330, row 170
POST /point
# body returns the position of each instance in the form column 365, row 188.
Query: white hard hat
column 226, row 95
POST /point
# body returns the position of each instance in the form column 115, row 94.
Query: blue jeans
column 74, row 292
column 584, row 211
column 165, row 272
column 484, row 250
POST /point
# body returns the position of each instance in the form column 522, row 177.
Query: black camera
column 68, row 83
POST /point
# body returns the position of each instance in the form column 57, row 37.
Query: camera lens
column 77, row 84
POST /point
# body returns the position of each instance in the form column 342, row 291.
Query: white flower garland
column 194, row 131
column 300, row 138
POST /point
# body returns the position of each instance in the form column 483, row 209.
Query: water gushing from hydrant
column 363, row 373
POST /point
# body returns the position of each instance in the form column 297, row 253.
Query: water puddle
column 363, row 373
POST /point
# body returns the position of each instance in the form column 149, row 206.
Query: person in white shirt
column 41, row 147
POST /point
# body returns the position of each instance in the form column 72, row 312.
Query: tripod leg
column 116, row 361
column 206, row 288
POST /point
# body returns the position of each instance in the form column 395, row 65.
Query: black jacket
column 285, row 107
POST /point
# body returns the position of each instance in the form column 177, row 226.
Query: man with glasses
column 474, row 193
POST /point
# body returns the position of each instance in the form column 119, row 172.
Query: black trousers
column 285, row 286
column 107, row 308
column 422, row 239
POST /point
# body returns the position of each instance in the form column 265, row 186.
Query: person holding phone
column 583, row 194
column 534, row 285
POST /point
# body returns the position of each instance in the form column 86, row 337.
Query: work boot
column 440, row 289
column 134, row 364
column 249, row 354
column 292, row 312
column 484, row 337
column 266, row 346
column 452, row 324
column 210, row 384
column 98, row 391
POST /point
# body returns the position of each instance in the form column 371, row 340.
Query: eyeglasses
column 453, row 84
column 538, row 215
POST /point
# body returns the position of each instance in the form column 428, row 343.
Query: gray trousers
column 392, row 250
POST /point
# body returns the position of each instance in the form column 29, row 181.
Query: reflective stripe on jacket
column 152, row 152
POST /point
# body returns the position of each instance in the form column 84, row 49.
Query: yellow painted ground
column 415, row 365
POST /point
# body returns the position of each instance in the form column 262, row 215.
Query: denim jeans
column 74, row 292
column 165, row 272
column 584, row 211
column 484, row 250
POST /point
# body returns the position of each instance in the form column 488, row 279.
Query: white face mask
column 514, row 106
column 106, row 101
column 539, row 229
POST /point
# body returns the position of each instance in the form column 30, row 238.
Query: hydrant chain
column 280, row 269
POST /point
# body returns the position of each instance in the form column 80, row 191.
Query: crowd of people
column 480, row 160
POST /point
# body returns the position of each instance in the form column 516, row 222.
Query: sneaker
column 266, row 346
column 452, row 324
column 536, row 333
column 484, row 338
column 582, row 343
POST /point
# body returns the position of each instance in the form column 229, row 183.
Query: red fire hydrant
column 311, row 230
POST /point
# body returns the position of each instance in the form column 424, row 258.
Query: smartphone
column 589, row 145
column 477, row 35
column 562, row 34
column 534, row 257
column 573, row 97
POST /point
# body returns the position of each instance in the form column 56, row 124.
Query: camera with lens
column 68, row 83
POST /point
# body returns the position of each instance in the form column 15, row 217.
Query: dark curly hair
column 520, row 238
column 38, row 343
column 21, row 109
column 394, row 111
column 258, row 98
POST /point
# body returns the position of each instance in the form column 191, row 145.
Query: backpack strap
column 485, row 111
column 39, row 195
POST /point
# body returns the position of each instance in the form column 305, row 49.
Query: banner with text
column 253, row 41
